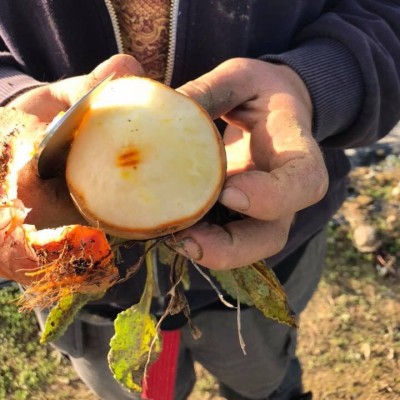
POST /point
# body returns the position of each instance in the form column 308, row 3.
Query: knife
column 53, row 150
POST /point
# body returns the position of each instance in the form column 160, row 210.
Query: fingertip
column 121, row 65
column 207, row 244
column 189, row 248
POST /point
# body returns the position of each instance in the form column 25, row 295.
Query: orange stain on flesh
column 129, row 157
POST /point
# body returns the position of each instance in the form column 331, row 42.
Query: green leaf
column 135, row 343
column 63, row 313
column 265, row 291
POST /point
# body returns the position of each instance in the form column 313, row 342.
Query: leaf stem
column 145, row 301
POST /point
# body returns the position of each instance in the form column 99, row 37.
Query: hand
column 275, row 167
column 49, row 200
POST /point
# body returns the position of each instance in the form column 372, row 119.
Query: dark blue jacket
column 346, row 51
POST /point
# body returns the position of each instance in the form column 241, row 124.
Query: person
column 291, row 84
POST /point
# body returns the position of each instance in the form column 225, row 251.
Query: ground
column 349, row 334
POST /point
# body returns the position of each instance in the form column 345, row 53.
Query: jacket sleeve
column 349, row 58
column 12, row 80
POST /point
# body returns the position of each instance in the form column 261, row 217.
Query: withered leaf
column 258, row 285
column 63, row 313
column 135, row 330
column 135, row 343
column 229, row 284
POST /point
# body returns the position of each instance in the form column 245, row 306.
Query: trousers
column 270, row 369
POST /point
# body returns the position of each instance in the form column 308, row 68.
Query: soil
column 350, row 332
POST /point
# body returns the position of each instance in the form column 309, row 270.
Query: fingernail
column 189, row 248
column 234, row 198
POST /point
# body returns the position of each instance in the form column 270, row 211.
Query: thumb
column 73, row 89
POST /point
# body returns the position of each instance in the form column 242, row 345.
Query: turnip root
column 70, row 259
column 51, row 262
column 146, row 160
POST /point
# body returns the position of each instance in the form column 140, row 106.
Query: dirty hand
column 49, row 200
column 275, row 167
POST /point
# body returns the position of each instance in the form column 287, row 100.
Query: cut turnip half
column 146, row 160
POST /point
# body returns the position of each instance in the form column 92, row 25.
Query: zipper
column 115, row 25
column 173, row 27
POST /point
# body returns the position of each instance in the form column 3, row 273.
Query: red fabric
column 160, row 382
